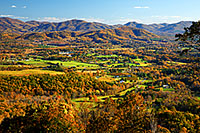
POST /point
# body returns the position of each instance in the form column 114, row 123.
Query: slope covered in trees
column 17, row 26
column 9, row 25
column 162, row 29
column 117, row 35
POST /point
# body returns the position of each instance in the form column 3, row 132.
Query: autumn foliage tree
column 49, row 116
column 190, row 39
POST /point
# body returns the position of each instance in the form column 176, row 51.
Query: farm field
column 67, row 64
column 29, row 72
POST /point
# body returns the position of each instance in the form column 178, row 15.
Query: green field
column 139, row 60
column 124, row 92
column 168, row 89
column 90, row 54
column 74, row 63
column 35, row 62
column 66, row 64
column 106, row 56
column 44, row 63
column 102, row 98
column 179, row 63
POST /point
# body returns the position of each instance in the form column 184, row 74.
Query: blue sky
column 104, row 11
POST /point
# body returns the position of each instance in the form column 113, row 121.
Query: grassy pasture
column 107, row 78
column 122, row 93
column 168, row 89
column 106, row 56
column 67, row 64
column 35, row 62
column 178, row 63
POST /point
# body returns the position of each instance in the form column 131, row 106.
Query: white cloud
column 122, row 21
column 15, row 17
column 24, row 7
column 52, row 19
column 58, row 19
column 13, row 6
column 141, row 7
column 6, row 15
column 18, row 17
column 166, row 17
column 99, row 20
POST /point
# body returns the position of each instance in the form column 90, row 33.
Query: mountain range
column 10, row 25
column 18, row 26
column 114, row 36
column 163, row 29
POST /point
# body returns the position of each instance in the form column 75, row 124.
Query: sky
column 103, row 11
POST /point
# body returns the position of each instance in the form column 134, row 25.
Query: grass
column 85, row 100
column 116, row 64
column 107, row 78
column 29, row 72
column 86, row 71
column 78, row 101
column 122, row 64
column 145, row 81
column 142, row 62
column 178, row 63
column 121, row 94
column 140, row 86
column 115, row 97
column 90, row 54
column 168, row 89
column 67, row 64
column 103, row 61
column 106, row 56
column 19, row 66
column 102, row 98
column 125, row 91
column 141, row 47
column 82, row 99
column 73, row 63
column 35, row 62
column 80, row 65
column 138, row 60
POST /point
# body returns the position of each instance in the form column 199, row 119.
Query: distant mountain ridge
column 10, row 25
column 115, row 36
column 163, row 29
column 18, row 26
column 14, row 25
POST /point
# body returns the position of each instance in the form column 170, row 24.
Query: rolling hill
column 10, row 25
column 18, row 26
column 71, row 25
column 116, row 35
column 163, row 29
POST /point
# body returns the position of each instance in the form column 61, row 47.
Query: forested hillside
column 17, row 26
